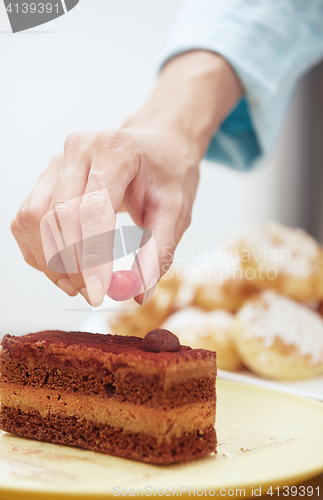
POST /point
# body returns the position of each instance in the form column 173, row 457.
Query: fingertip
column 66, row 285
column 84, row 293
column 149, row 292
column 95, row 290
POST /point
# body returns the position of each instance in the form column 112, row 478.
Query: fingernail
column 95, row 290
column 67, row 286
column 97, row 304
column 149, row 290
column 87, row 298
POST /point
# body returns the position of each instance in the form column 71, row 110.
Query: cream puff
column 279, row 338
column 206, row 330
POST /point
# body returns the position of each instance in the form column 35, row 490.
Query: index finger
column 114, row 165
column 98, row 222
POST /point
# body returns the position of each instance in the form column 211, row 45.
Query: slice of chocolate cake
column 147, row 399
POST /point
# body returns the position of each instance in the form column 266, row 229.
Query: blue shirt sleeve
column 270, row 44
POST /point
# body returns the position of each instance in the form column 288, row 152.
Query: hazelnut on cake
column 146, row 399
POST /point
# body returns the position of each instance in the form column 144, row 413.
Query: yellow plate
column 266, row 438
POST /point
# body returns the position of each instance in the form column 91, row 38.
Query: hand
column 151, row 165
column 152, row 170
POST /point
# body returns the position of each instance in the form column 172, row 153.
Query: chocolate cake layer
column 142, row 390
column 128, row 416
column 59, row 428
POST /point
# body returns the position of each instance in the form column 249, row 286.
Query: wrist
column 158, row 133
column 193, row 95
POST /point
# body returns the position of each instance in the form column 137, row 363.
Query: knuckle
column 29, row 259
column 98, row 179
column 91, row 258
column 121, row 152
column 92, row 205
column 58, row 158
column 167, row 257
column 77, row 143
column 187, row 218
column 181, row 206
column 92, row 253
column 55, row 162
column 60, row 214
column 168, row 252
column 69, row 260
column 96, row 255
column 108, row 141
column 71, row 266
column 28, row 215
column 174, row 205
column 73, row 140
column 110, row 138
column 54, row 166
column 188, row 221
column 14, row 227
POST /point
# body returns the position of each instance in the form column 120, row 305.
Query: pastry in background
column 186, row 291
column 284, row 259
column 133, row 319
column 206, row 330
column 278, row 338
column 224, row 285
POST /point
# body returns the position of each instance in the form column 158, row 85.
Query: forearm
column 193, row 95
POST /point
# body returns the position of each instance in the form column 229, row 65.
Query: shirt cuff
column 270, row 46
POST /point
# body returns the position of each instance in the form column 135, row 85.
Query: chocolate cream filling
column 127, row 416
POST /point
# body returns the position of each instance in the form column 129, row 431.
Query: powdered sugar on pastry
column 210, row 330
column 274, row 316
column 191, row 323
column 226, row 266
column 289, row 250
column 186, row 293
